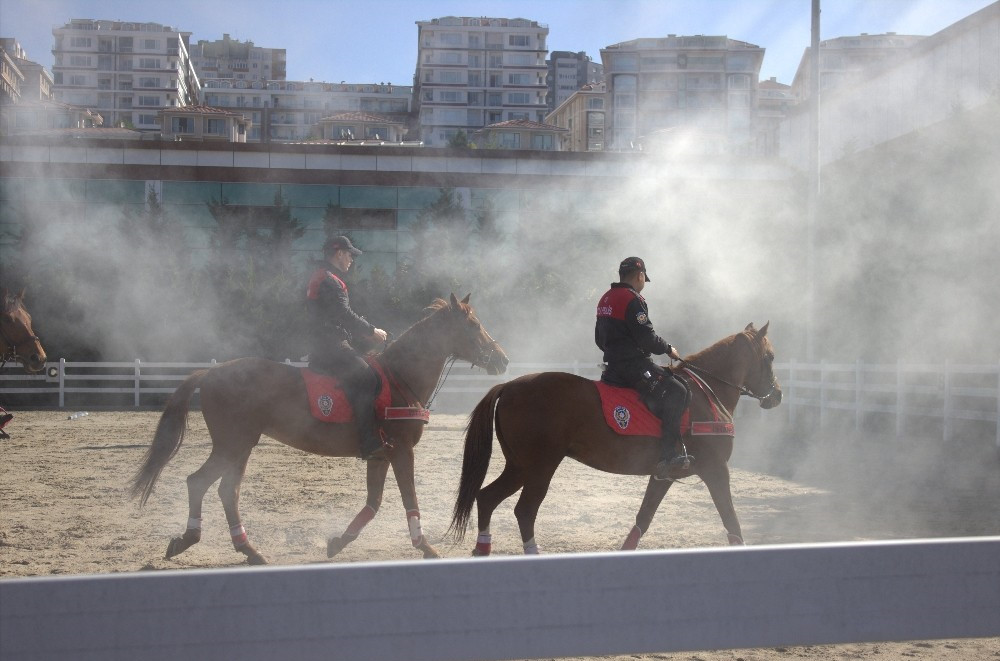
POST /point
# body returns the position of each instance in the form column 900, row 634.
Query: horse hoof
column 335, row 545
column 429, row 552
column 480, row 553
column 256, row 559
column 178, row 545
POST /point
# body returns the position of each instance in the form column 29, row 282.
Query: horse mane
column 435, row 306
column 706, row 357
column 11, row 303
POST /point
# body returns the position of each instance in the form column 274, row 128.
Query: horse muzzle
column 771, row 399
column 494, row 360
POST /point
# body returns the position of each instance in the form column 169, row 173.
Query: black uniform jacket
column 624, row 332
column 331, row 319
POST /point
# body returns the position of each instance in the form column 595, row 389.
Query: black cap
column 630, row 264
column 336, row 243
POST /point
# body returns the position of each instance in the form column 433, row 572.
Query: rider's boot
column 363, row 402
column 673, row 463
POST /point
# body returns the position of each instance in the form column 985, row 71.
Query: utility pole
column 814, row 185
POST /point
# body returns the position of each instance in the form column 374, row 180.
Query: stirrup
column 679, row 462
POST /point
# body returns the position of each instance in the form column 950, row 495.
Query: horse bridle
column 743, row 390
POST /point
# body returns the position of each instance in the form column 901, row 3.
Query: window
column 475, row 80
column 147, row 120
column 624, row 62
column 494, row 99
column 450, row 39
column 215, row 126
column 496, row 61
column 78, row 80
column 149, row 63
column 149, row 100
column 377, row 132
column 595, row 104
column 518, row 98
column 542, row 141
column 79, row 61
column 149, row 82
column 451, row 58
column 182, row 125
column 519, row 78
column 450, row 96
column 509, row 140
column 517, row 40
column 525, row 60
column 518, row 115
column 80, row 42
column 450, row 77
column 149, row 44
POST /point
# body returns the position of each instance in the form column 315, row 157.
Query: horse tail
column 475, row 460
column 168, row 438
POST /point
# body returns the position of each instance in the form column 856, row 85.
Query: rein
column 743, row 390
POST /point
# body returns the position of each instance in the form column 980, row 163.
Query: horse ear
column 454, row 302
column 467, row 297
column 763, row 331
column 750, row 328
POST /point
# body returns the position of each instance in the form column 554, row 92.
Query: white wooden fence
column 895, row 398
column 523, row 607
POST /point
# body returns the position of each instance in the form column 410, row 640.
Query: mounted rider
column 334, row 332
column 625, row 334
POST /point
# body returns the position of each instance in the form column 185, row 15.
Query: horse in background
column 17, row 339
column 245, row 398
column 540, row 419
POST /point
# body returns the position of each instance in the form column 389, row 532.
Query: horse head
column 470, row 341
column 18, row 340
column 760, row 379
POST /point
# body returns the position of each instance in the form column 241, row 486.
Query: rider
column 626, row 336
column 333, row 326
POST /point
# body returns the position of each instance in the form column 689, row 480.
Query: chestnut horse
column 542, row 418
column 244, row 398
column 17, row 339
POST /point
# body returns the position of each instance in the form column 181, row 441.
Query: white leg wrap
column 413, row 521
column 530, row 548
column 484, row 537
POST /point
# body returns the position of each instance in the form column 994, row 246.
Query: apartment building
column 124, row 71
column 774, row 100
column 582, row 114
column 233, row 59
column 11, row 79
column 844, row 60
column 291, row 111
column 703, row 84
column 473, row 72
column 567, row 73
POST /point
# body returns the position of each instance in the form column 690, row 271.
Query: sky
column 376, row 41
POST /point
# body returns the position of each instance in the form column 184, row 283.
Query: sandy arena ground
column 63, row 509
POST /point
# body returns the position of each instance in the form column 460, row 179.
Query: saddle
column 328, row 402
column 627, row 415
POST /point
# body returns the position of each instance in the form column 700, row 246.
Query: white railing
column 898, row 398
column 680, row 600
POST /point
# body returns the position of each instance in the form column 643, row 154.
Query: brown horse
column 542, row 418
column 17, row 339
column 245, row 398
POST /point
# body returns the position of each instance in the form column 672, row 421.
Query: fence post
column 858, row 387
column 62, row 382
column 998, row 406
column 900, row 400
column 138, row 381
column 946, row 422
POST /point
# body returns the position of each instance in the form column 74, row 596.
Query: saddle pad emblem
column 622, row 417
column 325, row 404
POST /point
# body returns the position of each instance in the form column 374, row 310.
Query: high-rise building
column 473, row 72
column 704, row 84
column 125, row 71
column 583, row 115
column 567, row 73
column 233, row 59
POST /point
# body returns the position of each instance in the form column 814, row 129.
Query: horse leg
column 198, row 483
column 716, row 479
column 401, row 457
column 655, row 491
column 528, row 503
column 229, row 493
column 489, row 499
column 378, row 469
